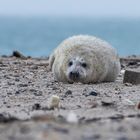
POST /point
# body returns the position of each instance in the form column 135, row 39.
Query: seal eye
column 84, row 65
column 70, row 63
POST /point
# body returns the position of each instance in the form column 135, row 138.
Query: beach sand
column 103, row 111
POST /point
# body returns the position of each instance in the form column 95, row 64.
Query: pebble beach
column 103, row 111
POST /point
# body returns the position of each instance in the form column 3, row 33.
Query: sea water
column 38, row 37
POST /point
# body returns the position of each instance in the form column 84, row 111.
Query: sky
column 96, row 8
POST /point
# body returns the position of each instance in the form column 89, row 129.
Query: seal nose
column 74, row 74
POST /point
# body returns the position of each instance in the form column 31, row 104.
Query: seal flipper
column 51, row 61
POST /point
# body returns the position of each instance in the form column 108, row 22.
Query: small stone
column 138, row 105
column 117, row 89
column 18, row 54
column 11, row 83
column 23, row 85
column 17, row 80
column 8, row 106
column 17, row 92
column 61, row 118
column 61, row 130
column 68, row 92
column 36, row 106
column 128, row 84
column 4, row 117
column 9, row 93
column 93, row 93
column 54, row 88
column 38, row 93
column 79, row 106
column 120, row 97
column 72, row 117
column 1, row 62
column 132, row 63
column 122, row 65
column 132, row 76
column 107, row 102
column 54, row 102
column 117, row 117
column 122, row 72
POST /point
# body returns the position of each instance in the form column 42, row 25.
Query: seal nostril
column 71, row 73
column 74, row 75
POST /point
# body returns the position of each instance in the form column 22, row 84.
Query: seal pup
column 85, row 59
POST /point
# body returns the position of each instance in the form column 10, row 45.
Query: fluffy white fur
column 102, row 61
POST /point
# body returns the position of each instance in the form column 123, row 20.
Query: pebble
column 54, row 101
column 122, row 72
column 72, row 117
column 17, row 92
column 4, row 102
column 91, row 93
column 68, row 92
column 18, row 54
column 132, row 63
column 38, row 93
column 4, row 117
column 9, row 93
column 128, row 84
column 54, row 88
column 62, row 130
column 79, row 106
column 107, row 102
column 132, row 76
column 36, row 106
column 23, row 85
column 1, row 62
column 8, row 106
column 117, row 117
column 138, row 105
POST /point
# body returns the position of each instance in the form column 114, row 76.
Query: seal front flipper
column 51, row 61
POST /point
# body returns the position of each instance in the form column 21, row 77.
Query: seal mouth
column 74, row 76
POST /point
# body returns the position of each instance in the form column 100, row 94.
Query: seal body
column 85, row 59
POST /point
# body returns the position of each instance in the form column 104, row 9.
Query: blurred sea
column 39, row 36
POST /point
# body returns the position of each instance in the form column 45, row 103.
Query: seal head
column 76, row 69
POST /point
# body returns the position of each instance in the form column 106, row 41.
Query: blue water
column 39, row 36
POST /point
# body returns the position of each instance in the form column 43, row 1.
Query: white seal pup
column 85, row 59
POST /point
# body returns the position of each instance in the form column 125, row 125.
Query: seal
column 85, row 59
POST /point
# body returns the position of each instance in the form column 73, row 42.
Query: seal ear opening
column 51, row 61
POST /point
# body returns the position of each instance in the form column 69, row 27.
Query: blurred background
column 36, row 27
